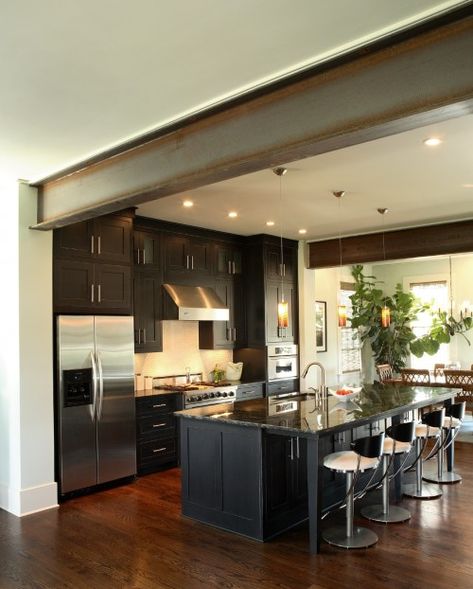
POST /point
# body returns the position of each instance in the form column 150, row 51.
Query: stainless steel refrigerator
column 95, row 400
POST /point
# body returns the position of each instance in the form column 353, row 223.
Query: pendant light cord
column 280, row 233
column 451, row 285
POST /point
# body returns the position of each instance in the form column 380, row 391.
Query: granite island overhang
column 258, row 475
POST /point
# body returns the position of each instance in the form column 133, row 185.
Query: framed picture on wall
column 321, row 326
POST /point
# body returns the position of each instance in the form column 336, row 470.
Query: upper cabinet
column 104, row 239
column 228, row 259
column 279, row 265
column 92, row 266
column 147, row 249
column 187, row 260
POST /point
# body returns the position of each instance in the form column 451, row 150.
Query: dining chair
column 463, row 381
column 384, row 371
column 438, row 369
column 415, row 376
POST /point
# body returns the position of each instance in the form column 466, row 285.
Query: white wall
column 27, row 449
column 181, row 349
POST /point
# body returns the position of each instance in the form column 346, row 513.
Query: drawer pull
column 159, row 405
column 159, row 450
column 159, row 424
column 250, row 392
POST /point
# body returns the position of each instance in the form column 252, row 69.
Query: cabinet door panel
column 300, row 471
column 147, row 312
column 278, row 475
column 113, row 239
column 113, row 286
column 200, row 252
column 74, row 241
column 147, row 249
column 176, row 254
column 73, row 282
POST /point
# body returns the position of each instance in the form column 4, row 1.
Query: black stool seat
column 399, row 441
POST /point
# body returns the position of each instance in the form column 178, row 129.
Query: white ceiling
column 418, row 184
column 80, row 76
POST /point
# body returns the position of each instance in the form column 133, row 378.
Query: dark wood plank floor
column 134, row 536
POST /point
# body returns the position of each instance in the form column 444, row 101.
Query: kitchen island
column 256, row 474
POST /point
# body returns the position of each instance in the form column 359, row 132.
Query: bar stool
column 454, row 415
column 365, row 455
column 429, row 428
column 399, row 440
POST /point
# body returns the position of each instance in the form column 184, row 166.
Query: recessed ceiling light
column 270, row 223
column 432, row 141
column 232, row 214
column 302, row 231
column 188, row 204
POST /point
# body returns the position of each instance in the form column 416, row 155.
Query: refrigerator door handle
column 93, row 407
column 99, row 364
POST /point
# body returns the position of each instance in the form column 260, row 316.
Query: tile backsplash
column 181, row 349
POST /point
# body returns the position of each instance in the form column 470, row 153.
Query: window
column 434, row 292
column 350, row 345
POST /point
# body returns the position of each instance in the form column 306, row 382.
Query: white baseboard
column 21, row 502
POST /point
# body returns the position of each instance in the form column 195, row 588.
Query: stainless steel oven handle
column 93, row 407
column 99, row 364
column 292, row 448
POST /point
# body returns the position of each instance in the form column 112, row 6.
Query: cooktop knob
column 191, row 398
column 224, row 394
column 212, row 395
column 231, row 394
column 205, row 396
column 218, row 394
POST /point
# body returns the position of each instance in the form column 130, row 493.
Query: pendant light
column 341, row 309
column 385, row 311
column 283, row 307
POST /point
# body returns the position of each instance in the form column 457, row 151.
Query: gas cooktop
column 197, row 393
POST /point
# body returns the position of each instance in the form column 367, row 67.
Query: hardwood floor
column 134, row 536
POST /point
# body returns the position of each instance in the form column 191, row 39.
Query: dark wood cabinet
column 277, row 266
column 147, row 249
column 228, row 259
column 157, row 432
column 247, row 391
column 104, row 239
column 285, row 481
column 274, row 293
column 147, row 311
column 81, row 287
column 187, row 259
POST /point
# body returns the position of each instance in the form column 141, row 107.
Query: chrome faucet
column 321, row 390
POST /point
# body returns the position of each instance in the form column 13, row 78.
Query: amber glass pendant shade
column 342, row 316
column 385, row 316
column 283, row 314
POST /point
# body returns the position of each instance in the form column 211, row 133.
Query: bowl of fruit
column 344, row 392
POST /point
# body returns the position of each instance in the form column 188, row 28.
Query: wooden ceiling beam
column 378, row 92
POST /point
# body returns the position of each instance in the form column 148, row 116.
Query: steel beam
column 410, row 83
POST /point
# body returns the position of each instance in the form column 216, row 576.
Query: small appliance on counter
column 197, row 393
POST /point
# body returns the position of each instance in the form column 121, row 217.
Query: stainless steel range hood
column 193, row 303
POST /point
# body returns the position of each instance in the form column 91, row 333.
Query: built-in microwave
column 283, row 362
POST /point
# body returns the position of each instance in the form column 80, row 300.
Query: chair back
column 434, row 418
column 438, row 369
column 385, row 372
column 415, row 376
column 369, row 447
column 456, row 410
column 459, row 378
column 402, row 432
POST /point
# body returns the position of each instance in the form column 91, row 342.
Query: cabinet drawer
column 157, row 450
column 158, row 404
column 159, row 425
column 249, row 391
column 283, row 386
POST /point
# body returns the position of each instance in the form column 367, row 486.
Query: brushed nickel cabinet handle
column 159, row 405
column 297, row 448
column 159, row 424
column 91, row 244
column 144, row 335
column 99, row 245
column 234, row 267
column 144, row 256
column 99, row 293
column 229, row 267
column 192, row 262
column 159, row 450
column 137, row 255
column 91, row 293
column 187, row 262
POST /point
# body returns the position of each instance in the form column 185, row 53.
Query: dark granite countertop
column 373, row 403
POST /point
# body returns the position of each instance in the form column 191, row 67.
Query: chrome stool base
column 395, row 514
column 361, row 537
column 427, row 491
column 447, row 478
